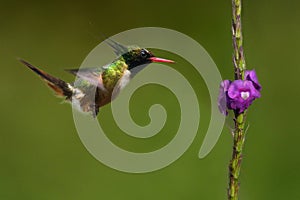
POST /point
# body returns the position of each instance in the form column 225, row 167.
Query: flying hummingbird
column 95, row 87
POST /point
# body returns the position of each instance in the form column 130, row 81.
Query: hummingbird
column 95, row 87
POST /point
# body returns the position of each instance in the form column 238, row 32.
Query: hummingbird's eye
column 144, row 54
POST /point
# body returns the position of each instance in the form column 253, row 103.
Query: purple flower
column 239, row 94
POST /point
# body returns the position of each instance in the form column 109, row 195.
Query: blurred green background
column 41, row 154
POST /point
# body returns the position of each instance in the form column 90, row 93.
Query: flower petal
column 250, row 75
column 222, row 99
column 234, row 89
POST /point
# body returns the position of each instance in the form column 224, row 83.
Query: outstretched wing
column 118, row 48
column 92, row 75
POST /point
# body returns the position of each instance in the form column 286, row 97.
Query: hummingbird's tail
column 60, row 87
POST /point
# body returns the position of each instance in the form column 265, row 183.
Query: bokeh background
column 41, row 155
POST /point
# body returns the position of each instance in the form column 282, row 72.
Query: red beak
column 155, row 59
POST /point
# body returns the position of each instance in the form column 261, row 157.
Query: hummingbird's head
column 139, row 56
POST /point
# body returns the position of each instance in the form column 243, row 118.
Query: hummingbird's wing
column 118, row 48
column 92, row 75
column 82, row 71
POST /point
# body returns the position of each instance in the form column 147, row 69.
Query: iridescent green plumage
column 113, row 73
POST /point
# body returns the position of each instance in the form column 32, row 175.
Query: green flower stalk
column 237, row 39
column 239, row 129
column 238, row 96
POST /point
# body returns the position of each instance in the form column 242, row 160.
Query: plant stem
column 239, row 133
column 236, row 160
column 237, row 39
